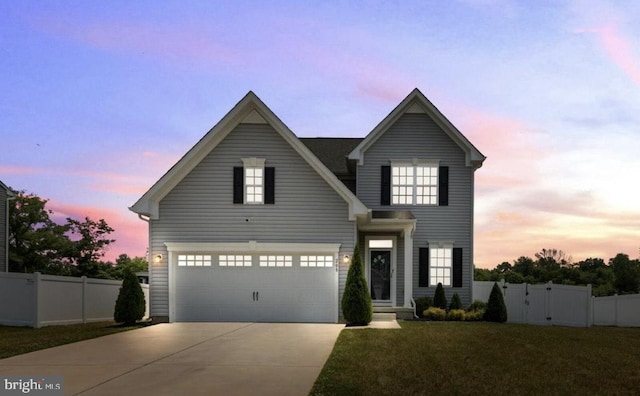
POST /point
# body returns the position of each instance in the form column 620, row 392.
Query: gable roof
column 416, row 102
column 250, row 109
column 7, row 189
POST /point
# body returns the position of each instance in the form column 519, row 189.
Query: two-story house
column 256, row 224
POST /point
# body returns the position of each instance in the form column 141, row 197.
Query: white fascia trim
column 472, row 155
column 252, row 247
column 148, row 204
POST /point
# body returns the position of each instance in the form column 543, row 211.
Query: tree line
column 619, row 275
column 37, row 243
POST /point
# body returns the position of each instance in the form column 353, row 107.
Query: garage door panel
column 256, row 294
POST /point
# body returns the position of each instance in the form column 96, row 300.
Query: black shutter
column 423, row 267
column 385, row 185
column 238, row 185
column 269, row 185
column 443, row 186
column 457, row 267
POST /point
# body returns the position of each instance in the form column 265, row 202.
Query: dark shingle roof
column 332, row 152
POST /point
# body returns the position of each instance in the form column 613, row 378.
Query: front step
column 383, row 317
column 399, row 312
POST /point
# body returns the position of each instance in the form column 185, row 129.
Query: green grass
column 464, row 358
column 19, row 340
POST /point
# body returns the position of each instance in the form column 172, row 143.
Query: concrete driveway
column 189, row 359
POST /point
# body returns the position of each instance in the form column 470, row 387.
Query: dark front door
column 380, row 275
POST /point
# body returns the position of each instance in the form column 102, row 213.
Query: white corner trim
column 253, row 247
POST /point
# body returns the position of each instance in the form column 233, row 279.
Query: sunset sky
column 99, row 99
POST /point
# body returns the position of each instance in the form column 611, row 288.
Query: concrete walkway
column 189, row 359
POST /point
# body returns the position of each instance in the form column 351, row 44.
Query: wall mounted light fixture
column 157, row 258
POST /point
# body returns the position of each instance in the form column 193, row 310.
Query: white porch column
column 408, row 265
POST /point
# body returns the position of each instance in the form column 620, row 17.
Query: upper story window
column 253, row 180
column 252, row 183
column 414, row 184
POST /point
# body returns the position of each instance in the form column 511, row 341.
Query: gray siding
column 200, row 208
column 417, row 136
column 3, row 229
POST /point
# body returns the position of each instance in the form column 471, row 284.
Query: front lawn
column 19, row 340
column 471, row 358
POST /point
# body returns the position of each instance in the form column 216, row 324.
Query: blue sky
column 99, row 100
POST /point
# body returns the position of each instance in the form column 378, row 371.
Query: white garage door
column 249, row 287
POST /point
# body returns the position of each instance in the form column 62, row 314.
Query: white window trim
column 415, row 162
column 254, row 163
column 253, row 246
column 394, row 255
column 441, row 245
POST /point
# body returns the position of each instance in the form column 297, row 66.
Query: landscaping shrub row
column 435, row 308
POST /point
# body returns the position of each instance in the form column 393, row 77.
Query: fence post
column 549, row 301
column 36, row 299
column 84, row 299
column 615, row 309
column 589, row 306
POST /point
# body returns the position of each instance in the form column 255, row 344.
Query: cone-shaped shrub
column 130, row 305
column 356, row 300
column 455, row 302
column 439, row 299
column 496, row 309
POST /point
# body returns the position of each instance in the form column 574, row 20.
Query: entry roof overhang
column 388, row 221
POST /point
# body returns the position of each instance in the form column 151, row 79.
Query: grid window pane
column 316, row 261
column 414, row 184
column 276, row 261
column 253, row 182
column 234, row 261
column 440, row 268
column 191, row 260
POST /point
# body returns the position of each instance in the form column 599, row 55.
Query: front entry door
column 380, row 278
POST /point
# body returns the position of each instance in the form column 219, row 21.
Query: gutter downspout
column 149, row 258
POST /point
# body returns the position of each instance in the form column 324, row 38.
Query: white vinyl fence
column 623, row 311
column 562, row 305
column 547, row 304
column 37, row 300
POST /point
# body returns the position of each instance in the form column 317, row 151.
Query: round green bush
column 474, row 316
column 422, row 304
column 435, row 313
column 456, row 315
column 477, row 305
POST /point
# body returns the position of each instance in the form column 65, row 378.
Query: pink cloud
column 173, row 44
column 511, row 146
column 130, row 232
column 22, row 170
column 619, row 48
